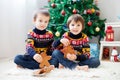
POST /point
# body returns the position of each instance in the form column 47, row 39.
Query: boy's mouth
column 75, row 30
column 42, row 26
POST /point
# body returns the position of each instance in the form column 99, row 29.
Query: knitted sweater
column 79, row 42
column 38, row 41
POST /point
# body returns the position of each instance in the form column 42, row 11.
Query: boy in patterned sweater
column 79, row 41
column 38, row 40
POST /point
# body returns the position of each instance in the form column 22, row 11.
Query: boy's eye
column 72, row 24
column 78, row 25
column 40, row 20
column 46, row 21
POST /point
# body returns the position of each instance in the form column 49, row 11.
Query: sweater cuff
column 30, row 51
column 56, row 43
column 81, row 57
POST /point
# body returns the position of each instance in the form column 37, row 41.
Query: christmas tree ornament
column 63, row 12
column 97, row 29
column 85, row 12
column 98, row 13
column 109, row 34
column 114, row 55
column 89, row 23
column 53, row 5
column 93, row 10
column 89, row 11
column 57, row 33
column 74, row 11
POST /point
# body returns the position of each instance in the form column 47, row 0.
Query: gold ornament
column 93, row 10
column 97, row 29
column 57, row 33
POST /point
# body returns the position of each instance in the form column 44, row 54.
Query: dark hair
column 41, row 11
column 76, row 18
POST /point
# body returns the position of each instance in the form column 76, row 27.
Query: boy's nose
column 75, row 26
column 42, row 23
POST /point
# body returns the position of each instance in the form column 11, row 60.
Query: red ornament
column 74, row 11
column 53, row 5
column 109, row 34
column 63, row 12
column 50, row 35
column 97, row 13
column 89, row 23
column 89, row 11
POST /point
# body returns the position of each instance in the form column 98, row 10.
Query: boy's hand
column 65, row 41
column 71, row 57
column 38, row 58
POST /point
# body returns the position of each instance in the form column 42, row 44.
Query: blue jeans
column 58, row 57
column 26, row 62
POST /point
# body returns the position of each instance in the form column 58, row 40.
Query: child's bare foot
column 85, row 68
column 51, row 67
column 61, row 66
column 37, row 72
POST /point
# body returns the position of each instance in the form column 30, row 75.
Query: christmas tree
column 60, row 10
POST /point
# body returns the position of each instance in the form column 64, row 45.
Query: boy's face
column 75, row 27
column 41, row 21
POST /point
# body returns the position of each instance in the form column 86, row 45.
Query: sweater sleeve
column 56, row 43
column 30, row 46
column 30, row 51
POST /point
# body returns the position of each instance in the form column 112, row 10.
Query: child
column 79, row 41
column 38, row 40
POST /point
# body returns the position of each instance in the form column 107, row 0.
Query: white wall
column 110, row 9
column 16, row 20
column 12, row 22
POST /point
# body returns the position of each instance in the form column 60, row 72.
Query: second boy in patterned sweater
column 39, row 40
column 79, row 41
